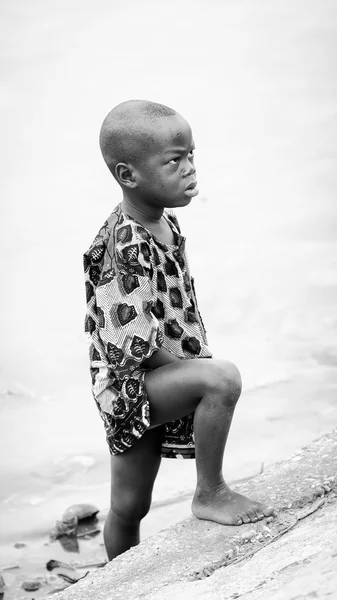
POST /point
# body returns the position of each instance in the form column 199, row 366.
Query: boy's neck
column 151, row 218
column 143, row 214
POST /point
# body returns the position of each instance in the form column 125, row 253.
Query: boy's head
column 148, row 148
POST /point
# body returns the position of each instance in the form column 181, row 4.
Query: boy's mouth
column 192, row 189
column 192, row 185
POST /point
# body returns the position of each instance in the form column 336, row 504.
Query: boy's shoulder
column 122, row 246
column 120, row 233
column 121, row 243
column 120, row 228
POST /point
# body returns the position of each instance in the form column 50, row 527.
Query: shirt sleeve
column 128, row 330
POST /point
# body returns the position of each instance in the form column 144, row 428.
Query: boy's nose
column 190, row 170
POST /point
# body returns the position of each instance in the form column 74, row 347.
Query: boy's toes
column 245, row 518
column 238, row 520
column 269, row 511
column 259, row 512
column 260, row 515
column 252, row 516
column 265, row 511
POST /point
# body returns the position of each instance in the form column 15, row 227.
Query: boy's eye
column 191, row 153
column 174, row 161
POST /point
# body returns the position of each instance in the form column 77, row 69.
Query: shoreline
column 305, row 405
column 290, row 555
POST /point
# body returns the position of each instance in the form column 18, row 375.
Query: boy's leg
column 211, row 388
column 132, row 477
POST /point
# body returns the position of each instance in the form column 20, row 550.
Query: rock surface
column 31, row 586
column 80, row 512
column 294, row 556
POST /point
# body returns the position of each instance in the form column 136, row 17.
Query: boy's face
column 166, row 174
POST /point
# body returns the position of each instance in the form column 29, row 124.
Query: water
column 257, row 83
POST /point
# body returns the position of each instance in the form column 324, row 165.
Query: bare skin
column 163, row 179
column 211, row 388
column 132, row 477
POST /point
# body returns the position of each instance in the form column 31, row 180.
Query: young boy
column 145, row 331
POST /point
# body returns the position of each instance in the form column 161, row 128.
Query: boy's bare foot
column 226, row 507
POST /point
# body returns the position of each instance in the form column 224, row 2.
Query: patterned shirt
column 140, row 297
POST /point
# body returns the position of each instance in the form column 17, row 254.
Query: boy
column 145, row 331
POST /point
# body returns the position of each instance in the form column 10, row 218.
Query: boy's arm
column 160, row 358
column 126, row 298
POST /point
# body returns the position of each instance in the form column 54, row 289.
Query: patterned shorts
column 131, row 418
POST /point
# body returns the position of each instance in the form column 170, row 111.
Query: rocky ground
column 292, row 556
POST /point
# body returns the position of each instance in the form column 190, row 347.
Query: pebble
column 31, row 586
column 81, row 511
column 249, row 535
column 64, row 528
column 20, row 545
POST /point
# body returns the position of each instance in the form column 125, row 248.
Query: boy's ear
column 125, row 175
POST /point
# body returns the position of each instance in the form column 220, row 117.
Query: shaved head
column 129, row 130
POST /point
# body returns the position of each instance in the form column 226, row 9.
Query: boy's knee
column 226, row 379
column 130, row 507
